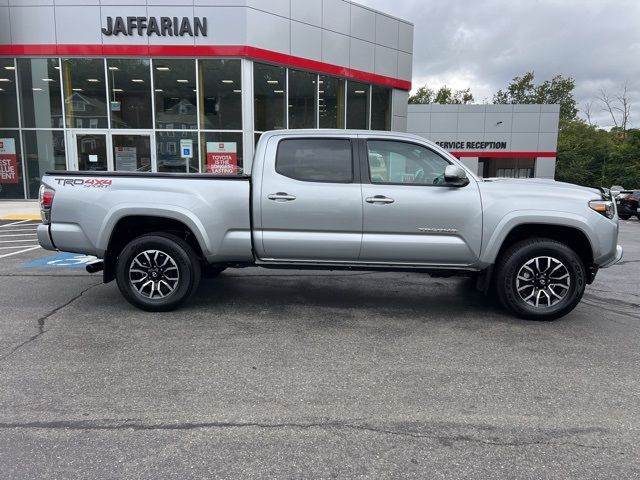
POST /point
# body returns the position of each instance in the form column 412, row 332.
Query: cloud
column 484, row 44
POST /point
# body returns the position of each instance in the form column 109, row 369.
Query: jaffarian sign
column 222, row 158
column 8, row 161
column 159, row 26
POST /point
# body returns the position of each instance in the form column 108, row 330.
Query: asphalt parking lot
column 314, row 375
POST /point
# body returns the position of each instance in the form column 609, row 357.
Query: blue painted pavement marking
column 61, row 260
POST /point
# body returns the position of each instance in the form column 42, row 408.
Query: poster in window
column 222, row 158
column 8, row 161
column 126, row 159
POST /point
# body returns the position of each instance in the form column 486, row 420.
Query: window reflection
column 168, row 152
column 175, row 94
column 380, row 108
column 85, row 93
column 129, row 93
column 220, row 95
column 8, row 98
column 331, row 102
column 44, row 150
column 302, row 99
column 357, row 105
column 40, row 92
column 269, row 89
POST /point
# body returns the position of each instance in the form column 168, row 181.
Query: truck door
column 310, row 201
column 410, row 215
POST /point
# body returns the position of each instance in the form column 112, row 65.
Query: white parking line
column 14, row 241
column 19, row 235
column 19, row 251
column 17, row 223
column 13, row 247
column 18, row 230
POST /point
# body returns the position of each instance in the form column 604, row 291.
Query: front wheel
column 157, row 272
column 625, row 217
column 540, row 279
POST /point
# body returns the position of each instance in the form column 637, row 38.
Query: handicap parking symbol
column 62, row 260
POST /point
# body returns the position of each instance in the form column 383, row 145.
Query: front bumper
column 44, row 238
column 616, row 259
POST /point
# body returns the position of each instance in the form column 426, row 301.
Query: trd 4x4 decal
column 85, row 182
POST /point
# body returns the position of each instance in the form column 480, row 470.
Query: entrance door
column 132, row 152
column 91, row 151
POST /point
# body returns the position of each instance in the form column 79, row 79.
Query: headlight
column 604, row 207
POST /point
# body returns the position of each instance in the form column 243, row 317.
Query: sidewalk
column 19, row 210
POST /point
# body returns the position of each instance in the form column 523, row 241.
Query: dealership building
column 190, row 85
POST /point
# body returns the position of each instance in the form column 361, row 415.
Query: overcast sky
column 483, row 44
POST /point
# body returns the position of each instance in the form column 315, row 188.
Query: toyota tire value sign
column 8, row 161
column 222, row 158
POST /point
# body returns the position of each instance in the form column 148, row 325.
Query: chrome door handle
column 379, row 199
column 281, row 196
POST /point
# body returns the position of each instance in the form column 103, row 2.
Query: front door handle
column 281, row 197
column 379, row 199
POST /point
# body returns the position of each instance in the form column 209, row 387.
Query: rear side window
column 316, row 160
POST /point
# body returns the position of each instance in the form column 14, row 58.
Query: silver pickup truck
column 333, row 199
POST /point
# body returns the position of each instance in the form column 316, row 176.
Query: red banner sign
column 222, row 158
column 8, row 161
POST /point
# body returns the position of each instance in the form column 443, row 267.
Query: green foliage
column 558, row 90
column 443, row 95
column 591, row 156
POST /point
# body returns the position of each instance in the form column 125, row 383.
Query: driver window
column 399, row 162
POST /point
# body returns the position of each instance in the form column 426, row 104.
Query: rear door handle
column 379, row 199
column 281, row 197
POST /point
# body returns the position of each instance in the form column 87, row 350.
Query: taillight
column 46, row 201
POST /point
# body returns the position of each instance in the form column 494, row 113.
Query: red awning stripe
column 243, row 51
column 503, row 154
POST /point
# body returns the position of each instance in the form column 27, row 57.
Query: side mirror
column 455, row 176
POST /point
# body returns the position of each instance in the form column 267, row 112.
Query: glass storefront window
column 11, row 185
column 302, row 99
column 222, row 153
column 357, row 105
column 270, row 96
column 40, row 92
column 129, row 93
column 43, row 151
column 175, row 94
column 131, row 153
column 380, row 108
column 8, row 97
column 85, row 94
column 331, row 102
column 220, row 94
column 168, row 152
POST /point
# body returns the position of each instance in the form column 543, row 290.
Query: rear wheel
column 157, row 272
column 540, row 279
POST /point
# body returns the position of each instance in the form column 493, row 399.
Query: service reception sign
column 8, row 161
column 222, row 158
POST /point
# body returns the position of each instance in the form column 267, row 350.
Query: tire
column 625, row 217
column 175, row 284
column 518, row 277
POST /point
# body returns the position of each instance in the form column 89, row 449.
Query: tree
column 444, row 95
column 583, row 153
column 558, row 90
column 619, row 109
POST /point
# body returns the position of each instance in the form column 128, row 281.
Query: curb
column 21, row 216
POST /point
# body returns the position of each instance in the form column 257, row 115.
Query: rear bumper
column 44, row 238
column 615, row 259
